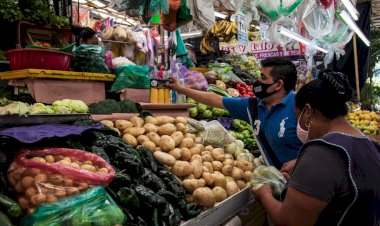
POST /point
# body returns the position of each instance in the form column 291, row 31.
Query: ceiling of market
column 376, row 14
column 102, row 7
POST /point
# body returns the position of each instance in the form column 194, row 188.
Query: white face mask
column 302, row 134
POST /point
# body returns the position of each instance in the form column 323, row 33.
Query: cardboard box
column 172, row 110
column 135, row 95
column 49, row 90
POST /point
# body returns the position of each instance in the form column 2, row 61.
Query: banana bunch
column 225, row 30
column 205, row 46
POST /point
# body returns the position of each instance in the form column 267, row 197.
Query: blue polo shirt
column 279, row 124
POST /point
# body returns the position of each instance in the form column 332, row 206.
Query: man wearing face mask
column 271, row 113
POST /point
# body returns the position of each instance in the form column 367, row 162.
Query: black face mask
column 260, row 89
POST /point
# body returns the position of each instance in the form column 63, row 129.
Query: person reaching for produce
column 271, row 113
column 336, row 180
column 85, row 35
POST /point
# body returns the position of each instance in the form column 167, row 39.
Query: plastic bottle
column 181, row 99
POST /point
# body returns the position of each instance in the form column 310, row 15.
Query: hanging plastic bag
column 130, row 76
column 274, row 9
column 317, row 20
column 269, row 175
column 90, row 58
column 181, row 52
column 159, row 5
column 336, row 41
column 184, row 16
column 216, row 135
column 233, row 5
column 47, row 175
column 274, row 31
column 92, row 207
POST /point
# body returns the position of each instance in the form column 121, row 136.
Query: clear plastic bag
column 216, row 135
column 131, row 76
column 220, row 68
column 317, row 20
column 47, row 175
column 233, row 5
column 92, row 207
column 269, row 175
column 274, row 9
column 90, row 58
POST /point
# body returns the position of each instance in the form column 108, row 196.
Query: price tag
column 242, row 28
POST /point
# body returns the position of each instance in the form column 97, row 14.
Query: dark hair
column 83, row 33
column 328, row 94
column 283, row 69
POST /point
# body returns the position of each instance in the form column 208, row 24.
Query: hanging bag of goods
column 46, row 175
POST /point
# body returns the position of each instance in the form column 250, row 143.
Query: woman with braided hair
column 336, row 180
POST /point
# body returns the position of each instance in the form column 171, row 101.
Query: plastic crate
column 39, row 59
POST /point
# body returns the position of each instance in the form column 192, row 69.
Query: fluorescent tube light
column 348, row 20
column 299, row 38
column 220, row 15
column 192, row 34
column 351, row 9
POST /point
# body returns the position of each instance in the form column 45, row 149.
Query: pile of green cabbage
column 65, row 106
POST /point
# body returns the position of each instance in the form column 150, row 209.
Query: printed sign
column 242, row 28
column 263, row 49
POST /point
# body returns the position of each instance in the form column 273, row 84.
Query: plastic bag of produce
column 195, row 80
column 47, row 175
column 216, row 135
column 269, row 175
column 90, row 58
column 131, row 76
column 92, row 207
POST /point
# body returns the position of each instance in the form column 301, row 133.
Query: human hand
column 287, row 168
column 262, row 190
column 175, row 85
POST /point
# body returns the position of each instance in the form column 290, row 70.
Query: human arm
column 207, row 98
column 298, row 208
column 287, row 168
column 320, row 175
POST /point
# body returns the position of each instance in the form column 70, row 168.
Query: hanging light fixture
column 299, row 38
column 351, row 9
column 351, row 23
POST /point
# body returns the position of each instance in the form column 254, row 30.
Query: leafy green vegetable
column 9, row 11
column 17, row 108
column 38, row 11
column 128, row 106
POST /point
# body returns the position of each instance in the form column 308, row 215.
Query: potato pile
column 36, row 186
column 208, row 174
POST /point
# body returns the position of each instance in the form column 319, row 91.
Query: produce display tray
column 223, row 211
column 55, row 74
column 16, row 120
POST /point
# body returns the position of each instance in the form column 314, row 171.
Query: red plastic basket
column 39, row 59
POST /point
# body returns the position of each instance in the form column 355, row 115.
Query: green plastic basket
column 67, row 49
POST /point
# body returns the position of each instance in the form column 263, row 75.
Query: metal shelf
column 223, row 211
column 112, row 41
